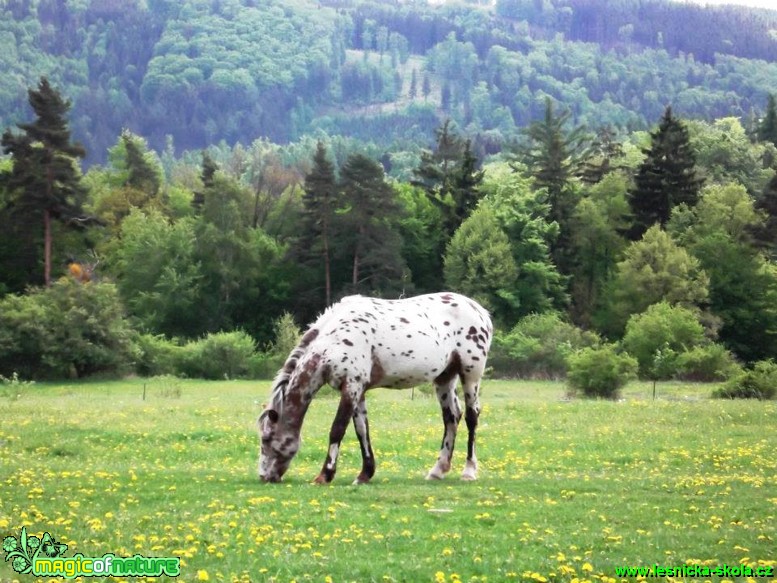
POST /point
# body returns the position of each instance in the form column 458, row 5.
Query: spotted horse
column 361, row 343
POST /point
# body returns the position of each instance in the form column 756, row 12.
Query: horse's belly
column 407, row 367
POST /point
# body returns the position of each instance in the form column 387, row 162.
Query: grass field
column 567, row 490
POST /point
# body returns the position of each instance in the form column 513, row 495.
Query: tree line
column 663, row 242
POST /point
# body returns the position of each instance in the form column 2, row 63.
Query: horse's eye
column 266, row 438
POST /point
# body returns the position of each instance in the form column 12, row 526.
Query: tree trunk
column 327, row 271
column 47, row 247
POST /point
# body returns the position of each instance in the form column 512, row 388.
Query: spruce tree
column 319, row 202
column 552, row 156
column 142, row 171
column 45, row 181
column 450, row 177
column 666, row 178
column 207, row 174
column 368, row 226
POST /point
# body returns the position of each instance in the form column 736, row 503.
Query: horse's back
column 401, row 343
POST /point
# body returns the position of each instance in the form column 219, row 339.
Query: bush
column 67, row 330
column 760, row 382
column 707, row 364
column 218, row 356
column 538, row 347
column 658, row 335
column 157, row 356
column 600, row 372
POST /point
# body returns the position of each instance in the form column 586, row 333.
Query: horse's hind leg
column 451, row 415
column 362, row 427
column 472, row 404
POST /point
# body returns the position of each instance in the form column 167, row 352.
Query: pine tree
column 45, row 180
column 666, row 178
column 767, row 129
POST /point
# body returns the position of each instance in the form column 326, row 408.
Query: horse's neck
column 305, row 382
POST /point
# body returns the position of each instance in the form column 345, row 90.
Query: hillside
column 236, row 70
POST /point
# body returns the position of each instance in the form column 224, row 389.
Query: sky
column 761, row 3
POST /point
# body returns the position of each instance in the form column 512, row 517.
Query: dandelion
column 439, row 577
column 202, row 575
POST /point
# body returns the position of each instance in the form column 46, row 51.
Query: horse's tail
column 281, row 380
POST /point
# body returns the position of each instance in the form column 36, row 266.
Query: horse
column 362, row 343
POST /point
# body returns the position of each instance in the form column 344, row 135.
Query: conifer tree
column 368, row 222
column 319, row 206
column 666, row 178
column 142, row 172
column 45, row 181
column 765, row 234
column 450, row 177
column 552, row 156
column 207, row 173
column 767, row 129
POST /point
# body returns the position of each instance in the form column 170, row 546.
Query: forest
column 603, row 224
column 190, row 74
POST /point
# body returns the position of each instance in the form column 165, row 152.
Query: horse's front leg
column 336, row 433
column 362, row 427
column 451, row 415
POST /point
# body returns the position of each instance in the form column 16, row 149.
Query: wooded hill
column 191, row 73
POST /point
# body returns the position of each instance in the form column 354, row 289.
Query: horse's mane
column 282, row 379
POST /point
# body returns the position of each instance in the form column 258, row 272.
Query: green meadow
column 569, row 490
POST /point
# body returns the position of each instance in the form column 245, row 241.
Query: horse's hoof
column 321, row 479
column 362, row 479
column 434, row 476
column 470, row 472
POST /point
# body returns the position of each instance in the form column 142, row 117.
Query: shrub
column 658, row 335
column 706, row 364
column 538, row 347
column 760, row 382
column 69, row 329
column 157, row 356
column 600, row 372
column 220, row 355
column 287, row 335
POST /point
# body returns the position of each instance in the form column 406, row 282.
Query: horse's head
column 280, row 442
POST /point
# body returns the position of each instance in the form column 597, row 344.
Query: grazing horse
column 361, row 343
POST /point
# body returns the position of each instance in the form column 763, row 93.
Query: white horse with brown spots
column 361, row 343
